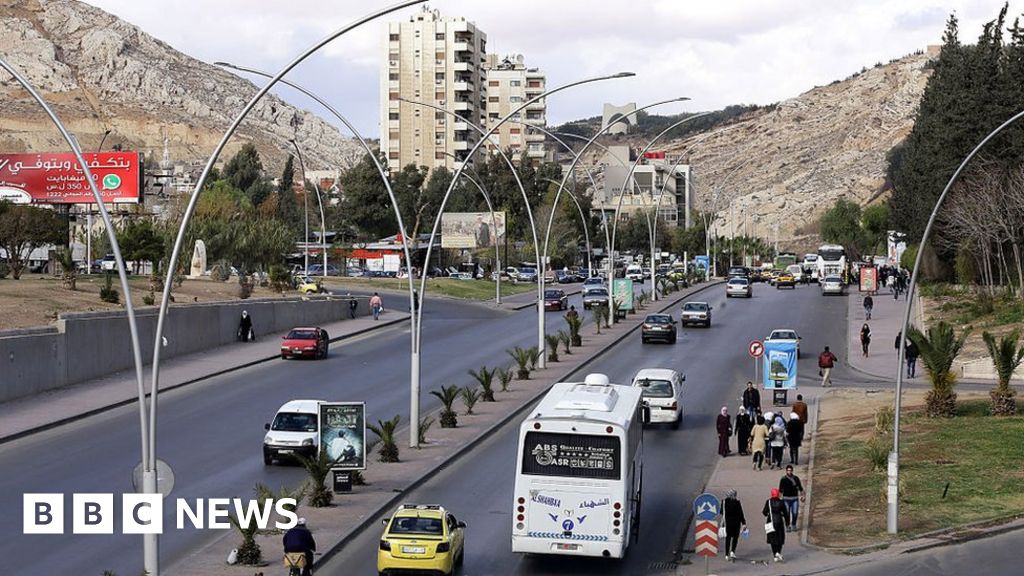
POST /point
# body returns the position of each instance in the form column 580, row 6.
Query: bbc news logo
column 144, row 513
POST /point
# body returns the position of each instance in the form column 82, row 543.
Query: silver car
column 832, row 285
column 696, row 313
column 738, row 287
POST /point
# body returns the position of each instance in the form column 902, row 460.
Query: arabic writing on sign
column 594, row 503
column 63, row 165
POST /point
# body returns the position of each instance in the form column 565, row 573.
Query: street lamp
column 583, row 219
column 892, row 516
column 323, row 219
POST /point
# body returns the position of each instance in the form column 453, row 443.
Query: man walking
column 911, row 355
column 792, row 495
column 376, row 305
column 800, row 407
column 353, row 304
column 869, row 304
column 826, row 360
column 752, row 400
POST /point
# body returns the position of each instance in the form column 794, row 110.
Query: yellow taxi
column 421, row 539
column 307, row 285
column 785, row 279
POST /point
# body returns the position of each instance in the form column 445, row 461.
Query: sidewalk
column 24, row 416
column 886, row 322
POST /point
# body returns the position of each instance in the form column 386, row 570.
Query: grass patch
column 465, row 289
column 978, row 455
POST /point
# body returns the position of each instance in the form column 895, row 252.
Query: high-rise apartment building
column 438, row 60
column 509, row 84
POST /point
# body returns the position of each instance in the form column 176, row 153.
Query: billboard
column 472, row 229
column 895, row 246
column 623, row 288
column 868, row 279
column 779, row 365
column 343, row 433
column 56, row 178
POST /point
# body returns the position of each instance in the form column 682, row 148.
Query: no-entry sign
column 756, row 348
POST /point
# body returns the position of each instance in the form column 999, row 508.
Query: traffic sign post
column 706, row 508
column 756, row 350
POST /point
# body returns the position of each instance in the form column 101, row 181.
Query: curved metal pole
column 494, row 225
column 583, row 219
column 149, row 540
column 629, row 175
column 892, row 517
column 323, row 219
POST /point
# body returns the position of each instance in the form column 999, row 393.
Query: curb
column 127, row 401
column 809, row 489
column 371, row 517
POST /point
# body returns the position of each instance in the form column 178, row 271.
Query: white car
column 738, row 287
column 593, row 282
column 662, row 394
column 832, row 285
column 785, row 335
column 635, row 272
column 696, row 313
column 293, row 431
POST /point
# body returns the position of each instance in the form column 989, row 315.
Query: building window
column 393, row 37
column 515, row 99
column 394, row 135
column 439, row 155
column 439, row 56
column 393, row 155
column 439, row 96
column 515, row 83
column 493, row 115
column 492, row 98
column 393, row 76
column 392, row 95
column 533, row 84
column 393, row 116
column 439, row 36
column 515, row 130
column 493, row 83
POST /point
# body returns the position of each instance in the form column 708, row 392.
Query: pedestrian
column 353, row 305
column 911, row 354
column 245, row 331
column 826, row 361
column 752, row 399
column 800, row 407
column 758, row 442
column 724, row 432
column 376, row 305
column 742, row 427
column 792, row 495
column 865, row 338
column 777, row 442
column 775, row 514
column 869, row 304
column 896, row 345
column 572, row 313
column 794, row 437
column 735, row 523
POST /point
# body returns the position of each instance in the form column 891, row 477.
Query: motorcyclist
column 299, row 540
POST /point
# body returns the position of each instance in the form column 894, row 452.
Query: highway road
column 478, row 487
column 211, row 432
column 993, row 556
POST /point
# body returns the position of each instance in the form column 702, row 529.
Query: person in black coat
column 742, row 427
column 245, row 333
column 724, row 428
column 752, row 400
column 735, row 522
column 300, row 540
column 775, row 511
column 794, row 437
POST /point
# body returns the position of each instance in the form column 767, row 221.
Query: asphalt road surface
column 994, row 556
column 478, row 487
column 211, row 432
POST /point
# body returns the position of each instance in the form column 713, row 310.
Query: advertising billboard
column 472, row 229
column 56, row 178
column 868, row 279
column 623, row 288
column 343, row 433
column 779, row 365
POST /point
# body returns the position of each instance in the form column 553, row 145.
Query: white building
column 509, row 84
column 657, row 182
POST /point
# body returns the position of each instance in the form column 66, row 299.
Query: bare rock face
column 99, row 73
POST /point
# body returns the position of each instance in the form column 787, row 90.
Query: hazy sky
column 717, row 53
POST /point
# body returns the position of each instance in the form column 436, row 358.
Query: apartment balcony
column 463, row 67
column 462, row 145
column 463, row 86
column 462, row 105
column 539, row 106
column 462, row 47
column 394, row 124
column 535, row 153
column 460, row 127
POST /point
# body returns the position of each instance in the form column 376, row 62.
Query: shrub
column 534, row 357
column 318, row 469
column 385, row 430
column 4, row 270
column 421, row 433
column 505, row 376
column 107, row 292
column 522, row 358
column 470, row 396
column 485, row 378
column 885, row 416
column 447, row 396
column 280, row 279
column 566, row 341
column 220, row 272
column 878, row 453
column 148, row 299
column 575, row 323
column 552, row 341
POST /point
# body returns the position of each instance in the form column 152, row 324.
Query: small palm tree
column 447, row 395
column 421, row 433
column 486, row 379
column 505, row 376
column 552, row 341
column 566, row 341
column 470, row 396
column 68, row 273
column 535, row 353
column 1006, row 357
column 522, row 358
column 939, row 348
column 385, row 430
column 318, row 468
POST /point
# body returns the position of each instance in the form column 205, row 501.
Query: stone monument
column 198, row 260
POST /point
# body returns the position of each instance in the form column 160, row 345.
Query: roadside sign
column 706, row 507
column 868, row 279
column 756, row 348
column 343, row 434
column 706, row 538
column 780, row 365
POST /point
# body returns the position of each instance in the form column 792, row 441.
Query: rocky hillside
column 99, row 73
column 786, row 166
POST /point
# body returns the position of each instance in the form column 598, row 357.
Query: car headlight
column 268, row 439
column 443, row 547
column 307, row 442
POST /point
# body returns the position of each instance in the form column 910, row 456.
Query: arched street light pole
column 149, row 541
column 494, row 226
column 320, row 202
column 892, row 517
column 583, row 220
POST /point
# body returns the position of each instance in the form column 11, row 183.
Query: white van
column 294, row 431
column 662, row 391
column 635, row 272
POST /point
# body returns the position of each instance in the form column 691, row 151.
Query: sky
column 716, row 53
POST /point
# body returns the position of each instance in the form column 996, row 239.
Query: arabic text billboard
column 56, row 178
column 343, row 433
column 472, row 229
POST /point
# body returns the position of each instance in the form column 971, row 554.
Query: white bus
column 832, row 261
column 579, row 471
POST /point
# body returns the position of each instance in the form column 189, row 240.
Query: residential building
column 510, row 84
column 438, row 60
column 654, row 175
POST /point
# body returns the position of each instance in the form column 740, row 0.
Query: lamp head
column 624, row 75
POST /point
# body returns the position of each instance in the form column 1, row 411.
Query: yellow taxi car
column 421, row 539
column 307, row 285
column 785, row 279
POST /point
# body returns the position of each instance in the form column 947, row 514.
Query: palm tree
column 1006, row 357
column 470, row 396
column 522, row 358
column 318, row 469
column 68, row 273
column 505, row 376
column 566, row 341
column 385, row 430
column 486, row 379
column 535, row 353
column 939, row 348
column 447, row 396
column 552, row 341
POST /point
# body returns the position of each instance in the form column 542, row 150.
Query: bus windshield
column 831, row 254
column 572, row 455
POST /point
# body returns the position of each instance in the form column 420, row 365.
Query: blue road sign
column 706, row 507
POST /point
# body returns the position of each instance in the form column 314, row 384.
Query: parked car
column 563, row 277
column 658, row 327
column 662, row 391
column 527, row 275
column 293, row 432
column 555, row 299
column 460, row 275
column 696, row 313
column 422, row 540
column 108, row 263
column 832, row 285
column 305, row 343
column 785, row 335
column 307, row 285
column 595, row 297
column 738, row 286
column 318, row 270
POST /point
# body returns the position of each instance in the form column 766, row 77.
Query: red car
column 305, row 343
column 555, row 299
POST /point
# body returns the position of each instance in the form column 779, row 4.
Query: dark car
column 305, row 343
column 563, row 277
column 555, row 299
column 595, row 297
column 658, row 327
column 739, row 272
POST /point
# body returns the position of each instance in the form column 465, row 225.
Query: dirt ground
column 37, row 299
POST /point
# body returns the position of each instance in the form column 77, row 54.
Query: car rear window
column 598, row 292
column 552, row 293
column 658, row 319
column 655, row 388
column 695, row 307
column 738, row 282
column 301, row 335
column 413, row 525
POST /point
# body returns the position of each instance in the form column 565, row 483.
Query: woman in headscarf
column 742, row 427
column 865, row 338
column 724, row 432
column 777, row 442
column 245, row 332
column 775, row 515
column 795, row 436
column 759, row 442
column 735, row 523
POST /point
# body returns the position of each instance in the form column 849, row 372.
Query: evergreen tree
column 288, row 210
column 366, row 202
column 244, row 169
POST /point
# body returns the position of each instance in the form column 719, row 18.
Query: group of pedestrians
column 781, row 511
column 762, row 435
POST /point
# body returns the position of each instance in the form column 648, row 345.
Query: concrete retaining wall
column 89, row 345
